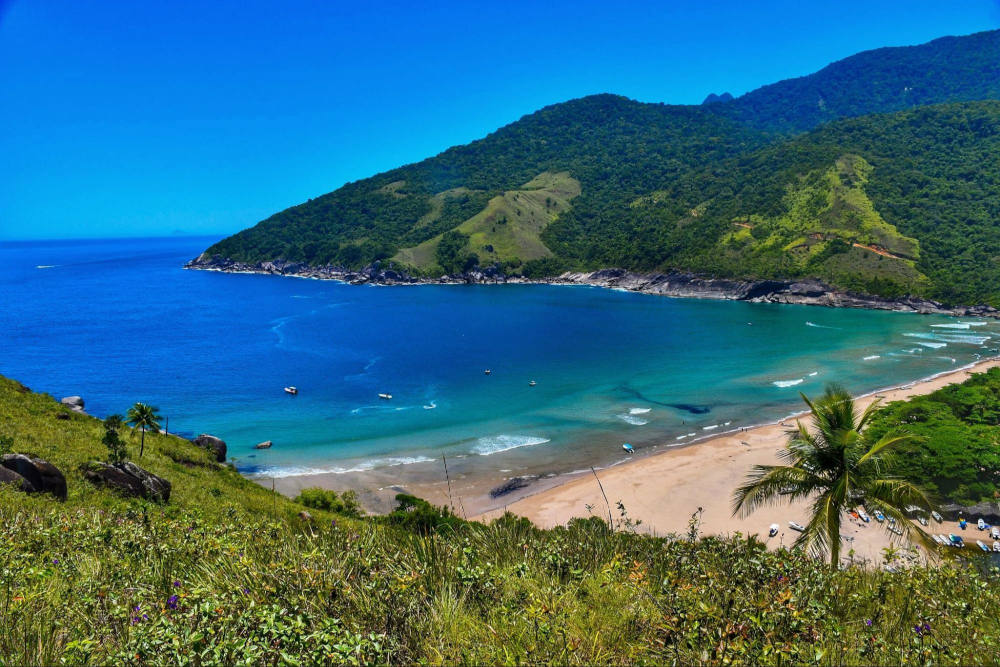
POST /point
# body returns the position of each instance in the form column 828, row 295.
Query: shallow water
column 119, row 321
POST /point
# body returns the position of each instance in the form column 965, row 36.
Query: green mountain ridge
column 931, row 188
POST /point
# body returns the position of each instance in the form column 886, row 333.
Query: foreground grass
column 233, row 575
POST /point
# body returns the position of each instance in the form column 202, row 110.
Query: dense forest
column 899, row 196
column 958, row 453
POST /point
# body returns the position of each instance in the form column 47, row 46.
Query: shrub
column 325, row 499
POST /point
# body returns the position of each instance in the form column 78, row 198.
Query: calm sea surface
column 120, row 321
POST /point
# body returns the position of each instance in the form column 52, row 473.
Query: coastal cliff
column 673, row 284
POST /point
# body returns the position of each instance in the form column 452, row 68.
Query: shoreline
column 675, row 284
column 665, row 488
column 699, row 471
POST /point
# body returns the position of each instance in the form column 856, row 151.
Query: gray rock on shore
column 213, row 444
column 128, row 479
column 42, row 476
column 263, row 445
column 73, row 403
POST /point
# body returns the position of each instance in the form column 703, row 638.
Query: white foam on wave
column 632, row 419
column 820, row 326
column 430, row 406
column 954, row 325
column 680, row 437
column 709, row 428
column 975, row 324
column 371, row 464
column 950, row 359
column 503, row 443
column 814, row 374
column 967, row 339
column 872, row 356
column 934, row 346
column 46, row 266
column 788, row 383
column 638, row 411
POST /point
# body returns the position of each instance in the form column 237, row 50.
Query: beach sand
column 662, row 489
column 665, row 489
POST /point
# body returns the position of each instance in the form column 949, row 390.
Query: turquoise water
column 119, row 321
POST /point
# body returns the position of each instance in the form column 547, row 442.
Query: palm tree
column 839, row 467
column 143, row 416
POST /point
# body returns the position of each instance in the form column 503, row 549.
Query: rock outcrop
column 263, row 445
column 988, row 512
column 73, row 402
column 215, row 445
column 8, row 476
column 674, row 284
column 128, row 479
column 40, row 474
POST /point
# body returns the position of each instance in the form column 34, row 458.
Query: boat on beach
column 773, row 530
column 937, row 517
column 979, row 543
column 628, row 448
column 796, row 526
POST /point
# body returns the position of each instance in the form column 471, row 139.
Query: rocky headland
column 673, row 284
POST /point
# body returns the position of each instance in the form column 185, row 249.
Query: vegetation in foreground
column 228, row 572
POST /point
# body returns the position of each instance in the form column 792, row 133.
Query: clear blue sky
column 151, row 118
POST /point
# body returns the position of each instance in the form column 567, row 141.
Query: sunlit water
column 120, row 321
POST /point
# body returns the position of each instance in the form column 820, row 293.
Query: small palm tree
column 143, row 417
column 839, row 468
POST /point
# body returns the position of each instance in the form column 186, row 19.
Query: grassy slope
column 93, row 579
column 510, row 225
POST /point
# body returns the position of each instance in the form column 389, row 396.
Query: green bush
column 325, row 499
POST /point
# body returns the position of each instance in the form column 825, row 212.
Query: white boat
column 996, row 546
column 937, row 517
column 981, row 525
column 922, row 520
column 487, row 371
column 385, row 396
column 995, row 533
column 291, row 390
column 979, row 543
column 773, row 530
column 628, row 448
column 796, row 526
column 532, row 383
column 879, row 516
column 864, row 516
column 937, row 539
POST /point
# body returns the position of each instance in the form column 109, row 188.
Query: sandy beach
column 663, row 490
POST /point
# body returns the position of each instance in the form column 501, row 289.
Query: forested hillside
column 902, row 199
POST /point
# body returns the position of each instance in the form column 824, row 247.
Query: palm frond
column 768, row 484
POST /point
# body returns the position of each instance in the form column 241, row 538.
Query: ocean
column 119, row 321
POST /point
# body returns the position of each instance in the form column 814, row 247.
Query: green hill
column 228, row 572
column 649, row 181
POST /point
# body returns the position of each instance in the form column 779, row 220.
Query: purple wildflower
column 246, row 591
column 145, row 617
column 172, row 602
column 55, row 561
column 135, row 619
column 927, row 627
column 137, row 607
column 177, row 584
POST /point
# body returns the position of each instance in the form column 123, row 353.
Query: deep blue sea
column 119, row 321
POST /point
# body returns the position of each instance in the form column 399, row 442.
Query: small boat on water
column 796, row 526
column 487, row 372
column 628, row 448
column 979, row 543
column 981, row 525
column 937, row 517
column 291, row 390
column 773, row 530
column 385, row 396
column 532, row 383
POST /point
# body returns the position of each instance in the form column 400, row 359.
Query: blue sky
column 143, row 119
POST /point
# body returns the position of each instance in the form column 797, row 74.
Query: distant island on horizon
column 875, row 175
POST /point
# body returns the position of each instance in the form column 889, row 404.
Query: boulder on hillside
column 42, row 475
column 8, row 476
column 263, row 445
column 129, row 479
column 215, row 445
column 74, row 403
column 987, row 511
